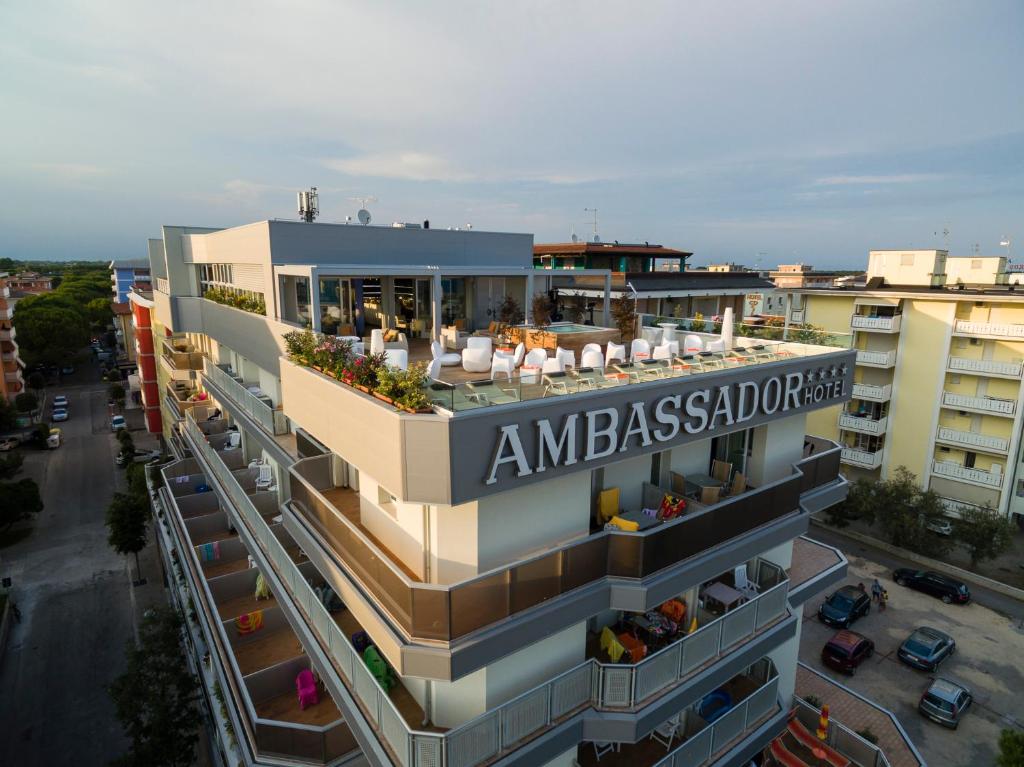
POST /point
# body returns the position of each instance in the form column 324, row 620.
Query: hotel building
column 940, row 351
column 13, row 380
column 447, row 575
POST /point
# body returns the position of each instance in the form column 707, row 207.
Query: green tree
column 50, row 331
column 623, row 312
column 127, row 520
column 859, row 504
column 1011, row 749
column 26, row 402
column 117, row 393
column 10, row 465
column 18, row 500
column 156, row 698
column 36, row 382
column 983, row 532
column 99, row 312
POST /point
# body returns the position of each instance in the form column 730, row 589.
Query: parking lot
column 986, row 661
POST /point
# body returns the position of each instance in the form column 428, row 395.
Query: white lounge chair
column 592, row 359
column 447, row 359
column 615, row 352
column 265, row 480
column 502, row 363
column 479, row 342
column 568, row 357
column 639, row 347
column 476, row 360
column 536, row 357
column 396, row 358
column 692, row 344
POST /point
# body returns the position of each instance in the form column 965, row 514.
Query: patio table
column 726, row 596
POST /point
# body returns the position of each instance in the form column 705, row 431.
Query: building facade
column 940, row 353
column 29, row 283
column 13, row 382
column 449, row 576
column 126, row 273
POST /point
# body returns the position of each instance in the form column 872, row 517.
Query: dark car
column 926, row 648
column 936, row 584
column 945, row 702
column 844, row 606
column 847, row 650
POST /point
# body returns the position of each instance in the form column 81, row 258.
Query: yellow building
column 940, row 350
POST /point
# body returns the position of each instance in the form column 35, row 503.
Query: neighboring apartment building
column 126, row 273
column 29, row 283
column 940, row 354
column 614, row 256
column 803, row 276
column 448, row 575
column 124, row 330
column 13, row 381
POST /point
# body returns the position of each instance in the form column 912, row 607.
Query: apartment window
column 969, row 459
column 1020, row 488
column 954, row 379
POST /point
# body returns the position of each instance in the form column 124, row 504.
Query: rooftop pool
column 570, row 327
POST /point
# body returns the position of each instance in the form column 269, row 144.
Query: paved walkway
column 856, row 714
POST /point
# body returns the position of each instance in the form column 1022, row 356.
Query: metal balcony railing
column 271, row 420
column 862, row 424
column 973, row 439
column 1000, row 330
column 863, row 458
column 872, row 392
column 876, row 359
column 883, row 324
column 988, row 404
column 976, row 476
column 1009, row 369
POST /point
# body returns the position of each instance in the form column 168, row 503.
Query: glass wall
column 453, row 307
column 336, row 315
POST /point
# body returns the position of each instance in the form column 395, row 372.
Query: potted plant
column 510, row 314
column 624, row 317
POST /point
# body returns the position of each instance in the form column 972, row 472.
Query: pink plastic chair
column 305, row 685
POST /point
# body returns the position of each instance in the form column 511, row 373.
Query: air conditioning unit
column 975, row 342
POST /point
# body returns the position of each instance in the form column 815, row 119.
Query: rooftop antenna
column 574, row 237
column 364, row 215
column 597, row 238
column 309, row 205
column 977, row 248
column 945, row 237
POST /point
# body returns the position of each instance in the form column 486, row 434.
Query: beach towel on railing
column 262, row 589
column 210, row 552
column 249, row 623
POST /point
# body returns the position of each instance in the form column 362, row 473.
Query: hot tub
column 568, row 335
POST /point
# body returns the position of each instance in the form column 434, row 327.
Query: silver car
column 945, row 702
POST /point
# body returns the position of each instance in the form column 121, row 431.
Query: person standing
column 883, row 600
column 876, row 591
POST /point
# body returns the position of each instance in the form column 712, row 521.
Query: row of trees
column 19, row 498
column 128, row 514
column 52, row 326
column 904, row 511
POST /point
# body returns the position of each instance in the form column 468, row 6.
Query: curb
column 935, row 564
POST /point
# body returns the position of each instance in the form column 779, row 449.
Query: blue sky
column 743, row 131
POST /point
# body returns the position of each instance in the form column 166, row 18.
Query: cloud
column 896, row 178
column 72, row 173
column 407, row 166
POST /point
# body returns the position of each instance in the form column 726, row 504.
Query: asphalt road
column 75, row 598
column 993, row 600
column 988, row 643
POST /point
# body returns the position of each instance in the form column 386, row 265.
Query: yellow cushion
column 390, row 335
column 607, row 504
column 626, row 525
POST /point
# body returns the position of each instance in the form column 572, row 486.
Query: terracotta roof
column 605, row 248
column 681, row 281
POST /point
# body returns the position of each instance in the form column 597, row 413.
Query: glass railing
column 534, row 384
column 271, row 420
column 488, row 735
column 446, row 612
column 795, row 332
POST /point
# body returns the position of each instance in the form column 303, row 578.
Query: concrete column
column 528, row 298
column 314, row 299
column 789, row 308
column 776, row 446
column 387, row 302
column 606, row 308
column 436, row 315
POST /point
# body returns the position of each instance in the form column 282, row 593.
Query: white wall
column 453, row 542
column 628, row 476
column 782, row 555
column 785, row 658
column 399, row 527
column 531, row 519
column 515, row 674
column 694, row 458
column 776, row 446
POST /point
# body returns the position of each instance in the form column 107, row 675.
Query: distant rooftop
column 605, row 248
column 646, row 282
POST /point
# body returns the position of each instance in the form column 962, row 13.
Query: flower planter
column 363, row 389
column 383, row 398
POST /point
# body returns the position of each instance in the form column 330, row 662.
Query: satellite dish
column 364, row 216
column 574, row 237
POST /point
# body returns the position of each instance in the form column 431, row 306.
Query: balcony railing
column 872, row 392
column 997, row 330
column 700, row 748
column 447, row 612
column 974, row 476
column 986, row 367
column 993, row 405
column 973, row 439
column 6, row 314
column 508, row 726
column 863, row 458
column 877, row 359
column 179, row 359
column 862, row 424
column 163, row 285
column 796, row 315
column 879, row 324
column 271, row 420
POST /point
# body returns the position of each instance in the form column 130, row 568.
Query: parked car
column 8, row 443
column 60, row 401
column 847, row 650
column 53, row 441
column 936, row 584
column 945, row 702
column 117, row 423
column 939, row 526
column 59, row 414
column 844, row 606
column 926, row 648
column 67, row 370
column 139, row 456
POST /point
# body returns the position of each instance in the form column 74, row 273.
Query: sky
column 758, row 133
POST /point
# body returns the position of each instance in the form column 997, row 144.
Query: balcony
column 180, row 360
column 755, row 694
column 972, row 440
column 872, row 392
column 447, row 612
column 863, row 459
column 989, row 330
column 985, row 367
column 8, row 334
column 964, row 474
column 255, row 671
column 509, row 727
column 876, row 359
column 796, row 316
column 876, row 324
column 985, row 405
column 863, row 424
column 163, row 285
column 249, row 399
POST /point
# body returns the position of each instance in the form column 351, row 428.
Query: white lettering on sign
column 638, row 425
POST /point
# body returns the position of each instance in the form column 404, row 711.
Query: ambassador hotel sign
column 498, row 449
